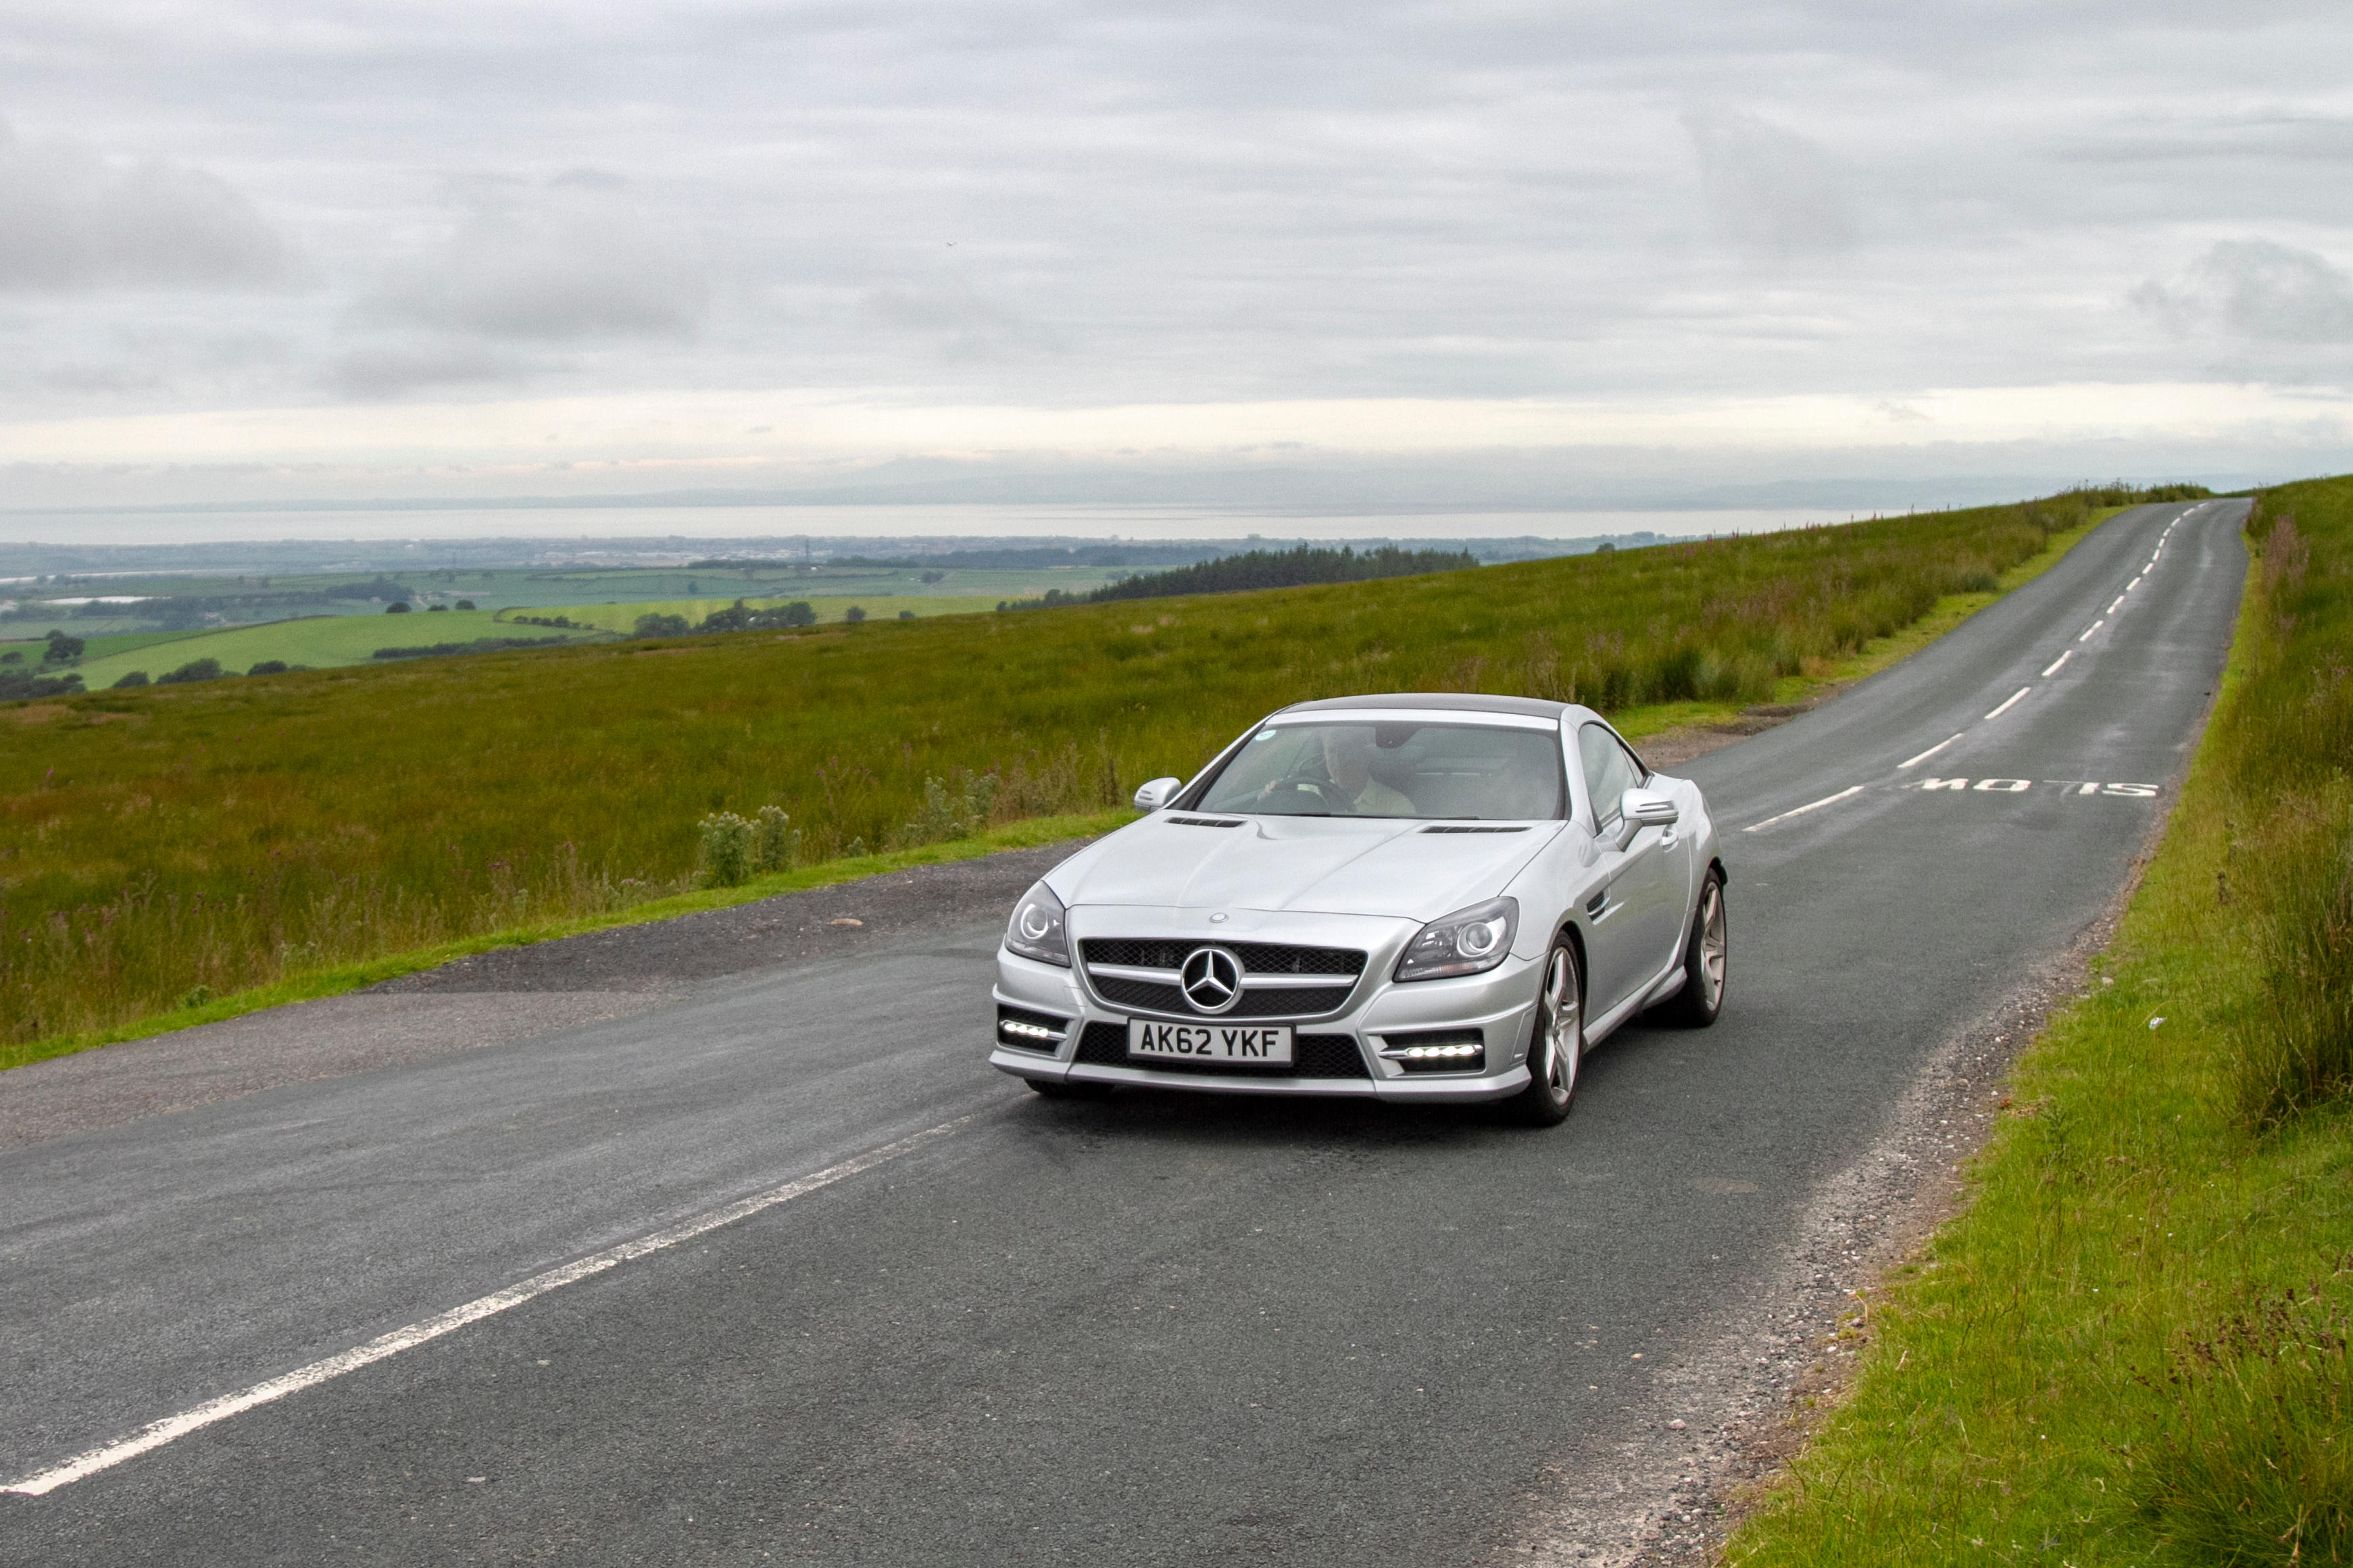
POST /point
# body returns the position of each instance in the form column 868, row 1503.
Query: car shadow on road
column 1209, row 1118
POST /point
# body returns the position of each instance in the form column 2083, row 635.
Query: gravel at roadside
column 501, row 996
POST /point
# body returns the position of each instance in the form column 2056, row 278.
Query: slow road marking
column 2071, row 787
column 155, row 1434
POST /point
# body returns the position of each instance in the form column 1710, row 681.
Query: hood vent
column 1201, row 822
column 1455, row 828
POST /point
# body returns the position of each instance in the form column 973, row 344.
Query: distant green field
column 722, row 586
column 253, row 600
column 321, row 642
column 878, row 608
column 94, row 646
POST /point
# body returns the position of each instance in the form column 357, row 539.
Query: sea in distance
column 1282, row 525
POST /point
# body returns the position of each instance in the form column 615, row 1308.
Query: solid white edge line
column 157, row 1433
column 2015, row 699
column 1817, row 806
column 1925, row 755
column 2057, row 662
column 2095, row 626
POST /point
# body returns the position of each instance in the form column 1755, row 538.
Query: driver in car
column 1348, row 759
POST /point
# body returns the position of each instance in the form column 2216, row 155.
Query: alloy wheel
column 1713, row 945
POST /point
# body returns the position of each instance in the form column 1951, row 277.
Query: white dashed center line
column 2114, row 603
column 1817, row 806
column 2095, row 626
column 2057, row 662
column 1927, row 754
column 2134, row 583
column 2016, row 698
column 157, row 1433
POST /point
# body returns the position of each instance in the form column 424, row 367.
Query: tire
column 1058, row 1088
column 1555, row 1043
column 1706, row 954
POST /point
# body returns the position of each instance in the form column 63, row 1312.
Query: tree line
column 1301, row 567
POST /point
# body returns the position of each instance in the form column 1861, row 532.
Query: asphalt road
column 1162, row 1328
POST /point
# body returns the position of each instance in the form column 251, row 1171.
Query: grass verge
column 2131, row 1348
column 346, row 977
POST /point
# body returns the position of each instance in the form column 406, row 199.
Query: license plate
column 1243, row 1043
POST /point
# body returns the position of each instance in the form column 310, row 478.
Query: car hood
column 1351, row 865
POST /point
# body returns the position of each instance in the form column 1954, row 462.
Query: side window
column 1609, row 772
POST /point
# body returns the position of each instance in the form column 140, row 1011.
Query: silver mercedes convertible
column 1414, row 896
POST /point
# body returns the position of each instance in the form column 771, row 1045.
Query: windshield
column 1442, row 772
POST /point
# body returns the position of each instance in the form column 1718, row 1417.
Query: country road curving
column 721, row 1243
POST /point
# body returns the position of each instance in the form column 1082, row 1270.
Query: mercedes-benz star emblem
column 1211, row 979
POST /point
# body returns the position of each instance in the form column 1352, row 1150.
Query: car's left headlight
column 1037, row 930
column 1468, row 942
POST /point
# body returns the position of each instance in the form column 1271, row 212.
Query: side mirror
column 1640, row 808
column 1160, row 793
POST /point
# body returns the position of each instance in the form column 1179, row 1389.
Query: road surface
column 949, row 1323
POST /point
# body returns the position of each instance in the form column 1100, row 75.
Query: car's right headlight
column 1036, row 930
column 1468, row 942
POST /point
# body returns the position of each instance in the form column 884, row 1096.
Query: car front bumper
column 1500, row 1004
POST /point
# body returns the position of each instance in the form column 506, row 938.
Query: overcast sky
column 257, row 248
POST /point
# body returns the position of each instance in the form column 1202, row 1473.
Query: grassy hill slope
column 224, row 835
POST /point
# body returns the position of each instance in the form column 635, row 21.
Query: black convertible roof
column 1444, row 701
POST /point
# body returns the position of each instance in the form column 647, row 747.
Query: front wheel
column 1706, row 955
column 1557, row 1047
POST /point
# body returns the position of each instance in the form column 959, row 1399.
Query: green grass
column 1821, row 676
column 2132, row 1346
column 231, row 833
column 881, row 607
column 94, row 646
column 335, row 980
column 319, row 641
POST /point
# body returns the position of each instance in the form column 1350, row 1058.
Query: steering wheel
column 1336, row 799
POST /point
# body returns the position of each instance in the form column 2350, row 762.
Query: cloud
column 575, row 269
column 72, row 220
column 957, row 321
column 2257, row 289
column 378, row 371
column 1769, row 190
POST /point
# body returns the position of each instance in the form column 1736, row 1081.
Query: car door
column 1633, row 920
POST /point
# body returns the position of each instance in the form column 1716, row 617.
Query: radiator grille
column 1274, row 1001
column 1259, row 959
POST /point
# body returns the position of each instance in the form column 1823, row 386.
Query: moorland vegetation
column 167, row 843
column 2133, row 1346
